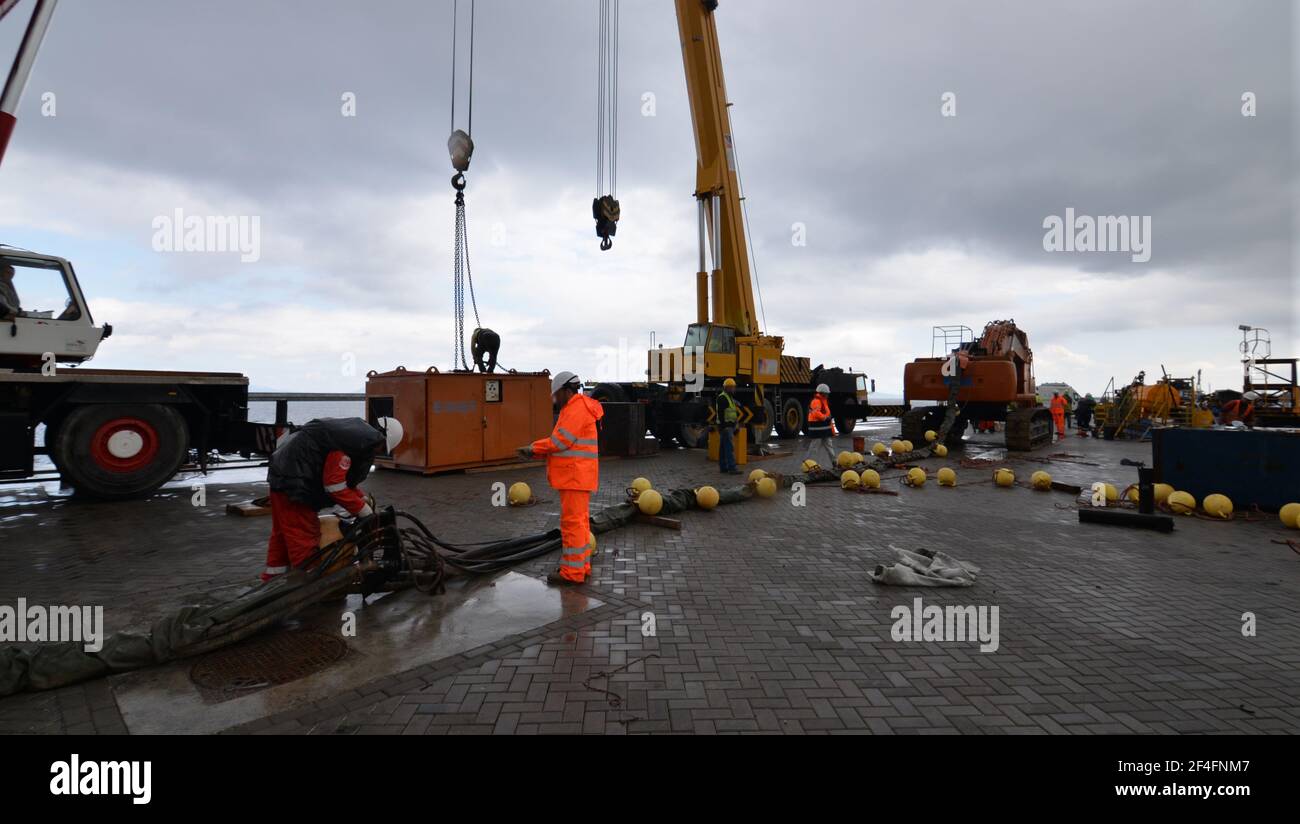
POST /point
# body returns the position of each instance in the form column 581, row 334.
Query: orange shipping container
column 459, row 420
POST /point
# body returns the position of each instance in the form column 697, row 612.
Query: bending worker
column 1058, row 415
column 572, row 454
column 315, row 467
column 820, row 427
column 1242, row 409
column 726, row 412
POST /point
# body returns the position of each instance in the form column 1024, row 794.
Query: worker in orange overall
column 572, row 454
column 820, row 427
column 1058, row 415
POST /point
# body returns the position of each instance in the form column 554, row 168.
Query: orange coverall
column 295, row 527
column 1058, row 415
column 572, row 456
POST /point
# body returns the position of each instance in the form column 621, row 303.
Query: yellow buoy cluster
column 519, row 494
column 649, row 502
column 1218, row 506
column 947, row 477
column 1182, row 502
column 1041, row 481
column 706, row 497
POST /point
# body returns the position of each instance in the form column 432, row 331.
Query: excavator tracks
column 1029, row 429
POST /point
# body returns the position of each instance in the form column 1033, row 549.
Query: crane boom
column 716, row 185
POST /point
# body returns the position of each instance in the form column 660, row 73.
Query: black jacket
column 298, row 463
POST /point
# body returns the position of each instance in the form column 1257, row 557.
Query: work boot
column 559, row 580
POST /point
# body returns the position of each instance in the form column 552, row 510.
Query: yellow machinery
column 726, row 340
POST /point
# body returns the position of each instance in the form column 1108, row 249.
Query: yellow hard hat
column 729, row 383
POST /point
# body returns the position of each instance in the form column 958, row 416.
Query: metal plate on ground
column 266, row 661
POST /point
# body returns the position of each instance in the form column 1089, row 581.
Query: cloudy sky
column 912, row 219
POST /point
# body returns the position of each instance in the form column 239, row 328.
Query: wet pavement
column 754, row 617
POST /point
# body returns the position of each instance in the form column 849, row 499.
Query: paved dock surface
column 764, row 617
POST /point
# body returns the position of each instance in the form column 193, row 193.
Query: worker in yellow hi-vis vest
column 726, row 412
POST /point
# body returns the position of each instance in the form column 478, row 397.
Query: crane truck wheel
column 845, row 423
column 609, row 393
column 694, row 436
column 116, row 451
column 790, row 421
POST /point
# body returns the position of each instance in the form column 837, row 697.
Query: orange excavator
column 989, row 379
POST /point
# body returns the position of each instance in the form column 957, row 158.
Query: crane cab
column 43, row 313
column 713, row 352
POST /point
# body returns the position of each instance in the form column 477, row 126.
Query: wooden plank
column 659, row 520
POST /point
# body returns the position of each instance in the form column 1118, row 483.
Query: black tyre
column 609, row 392
column 844, row 424
column 693, row 436
column 116, row 451
column 791, row 420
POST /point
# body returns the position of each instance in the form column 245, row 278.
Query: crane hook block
column 607, row 212
column 461, row 149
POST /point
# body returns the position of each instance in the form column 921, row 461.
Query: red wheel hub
column 124, row 445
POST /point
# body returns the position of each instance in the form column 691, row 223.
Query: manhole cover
column 268, row 661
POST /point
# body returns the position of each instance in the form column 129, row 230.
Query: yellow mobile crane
column 726, row 340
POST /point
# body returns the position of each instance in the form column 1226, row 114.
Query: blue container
column 1258, row 467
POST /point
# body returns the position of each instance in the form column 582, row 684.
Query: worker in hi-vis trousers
column 820, row 427
column 1058, row 415
column 316, row 466
column 572, row 454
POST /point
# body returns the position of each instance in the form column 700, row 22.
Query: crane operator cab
column 713, row 352
column 43, row 313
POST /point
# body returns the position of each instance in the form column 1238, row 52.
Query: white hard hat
column 563, row 379
column 1251, row 395
column 392, row 429
column 823, row 388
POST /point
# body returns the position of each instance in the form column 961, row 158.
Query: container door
column 455, row 420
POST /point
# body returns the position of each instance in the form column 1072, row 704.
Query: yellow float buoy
column 916, row 477
column 1290, row 515
column 1131, row 494
column 519, row 494
column 1041, row 480
column 1004, row 477
column 947, row 477
column 870, row 479
column 649, row 502
column 907, row 446
column 857, row 458
column 931, row 436
column 878, row 449
column 756, row 476
column 766, row 487
column 1182, row 503
column 844, row 460
column 940, row 450
column 706, row 497
column 640, row 485
column 1112, row 494
column 809, row 465
column 896, row 447
column 1218, row 506
column 849, row 479
column 1163, row 491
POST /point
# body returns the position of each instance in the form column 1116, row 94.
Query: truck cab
column 43, row 313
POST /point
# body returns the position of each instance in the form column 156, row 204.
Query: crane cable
column 605, row 208
column 461, row 147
